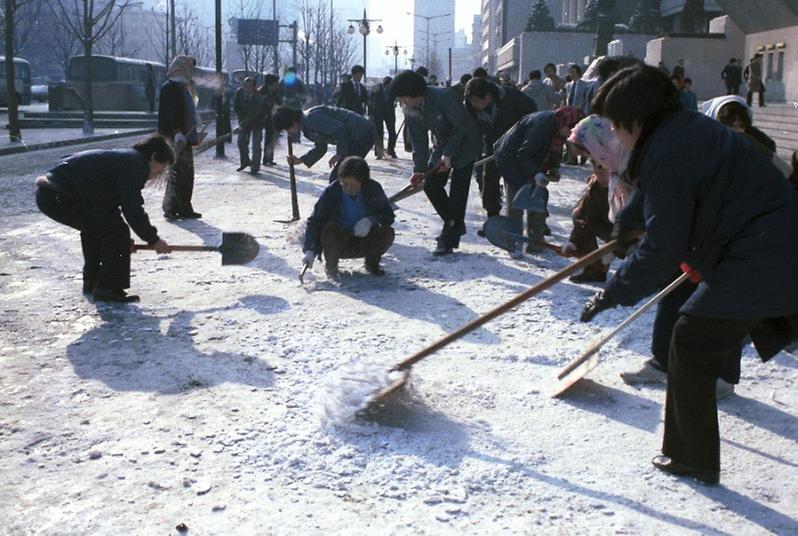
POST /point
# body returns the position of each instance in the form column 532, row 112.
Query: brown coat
column 753, row 76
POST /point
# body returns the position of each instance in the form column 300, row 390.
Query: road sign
column 258, row 32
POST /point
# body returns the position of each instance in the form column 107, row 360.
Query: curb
column 74, row 141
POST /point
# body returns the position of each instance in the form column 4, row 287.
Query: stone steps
column 780, row 122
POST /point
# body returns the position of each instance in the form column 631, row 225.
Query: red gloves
column 692, row 275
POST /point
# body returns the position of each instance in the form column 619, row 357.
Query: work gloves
column 597, row 303
column 308, row 258
column 626, row 238
column 362, row 227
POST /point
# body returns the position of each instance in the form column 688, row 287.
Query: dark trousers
column 406, row 138
column 246, row 136
column 749, row 98
column 491, row 189
column 104, row 238
column 337, row 242
column 664, row 320
column 732, row 89
column 450, row 207
column 380, row 125
column 268, row 142
column 180, row 182
column 356, row 148
column 699, row 348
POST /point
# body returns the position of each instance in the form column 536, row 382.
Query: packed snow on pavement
column 216, row 401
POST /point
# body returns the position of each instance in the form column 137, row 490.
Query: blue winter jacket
column 522, row 150
column 329, row 209
column 712, row 199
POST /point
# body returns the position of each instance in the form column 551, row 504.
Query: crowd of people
column 676, row 190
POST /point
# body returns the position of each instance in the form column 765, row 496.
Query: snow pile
column 351, row 390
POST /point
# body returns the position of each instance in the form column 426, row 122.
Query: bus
column 120, row 84
column 21, row 81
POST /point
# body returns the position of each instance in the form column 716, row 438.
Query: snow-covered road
column 201, row 405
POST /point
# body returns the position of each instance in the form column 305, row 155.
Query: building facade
column 433, row 35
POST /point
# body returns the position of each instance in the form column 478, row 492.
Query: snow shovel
column 578, row 367
column 506, row 234
column 405, row 365
column 292, row 177
column 410, row 189
column 236, row 248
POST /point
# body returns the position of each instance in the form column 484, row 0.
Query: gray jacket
column 543, row 94
column 454, row 133
column 328, row 125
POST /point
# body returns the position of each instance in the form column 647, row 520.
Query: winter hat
column 182, row 69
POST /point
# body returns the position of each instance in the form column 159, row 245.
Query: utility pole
column 220, row 90
column 174, row 28
column 295, row 27
column 428, row 18
column 364, row 27
column 276, row 46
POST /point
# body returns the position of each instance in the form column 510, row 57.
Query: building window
column 769, row 75
column 780, row 66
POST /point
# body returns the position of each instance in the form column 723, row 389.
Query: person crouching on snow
column 351, row 220
column 86, row 191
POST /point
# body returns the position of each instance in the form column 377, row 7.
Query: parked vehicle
column 21, row 81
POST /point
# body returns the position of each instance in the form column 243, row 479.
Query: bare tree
column 89, row 24
column 192, row 39
column 327, row 49
column 158, row 36
column 117, row 43
column 65, row 45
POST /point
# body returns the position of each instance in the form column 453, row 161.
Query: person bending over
column 352, row 134
column 86, row 192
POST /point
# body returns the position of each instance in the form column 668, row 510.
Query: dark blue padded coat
column 712, row 199
column 522, row 150
column 328, row 209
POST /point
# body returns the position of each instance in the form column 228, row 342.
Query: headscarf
column 565, row 116
column 181, row 69
column 594, row 134
column 712, row 106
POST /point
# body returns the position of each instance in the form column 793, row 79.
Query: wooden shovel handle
column 493, row 313
column 138, row 247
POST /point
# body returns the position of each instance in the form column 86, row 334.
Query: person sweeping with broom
column 86, row 192
column 714, row 204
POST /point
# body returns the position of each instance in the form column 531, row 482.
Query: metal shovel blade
column 238, row 248
column 381, row 397
column 503, row 232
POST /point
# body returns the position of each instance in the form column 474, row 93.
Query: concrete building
column 502, row 20
column 572, row 10
column 766, row 26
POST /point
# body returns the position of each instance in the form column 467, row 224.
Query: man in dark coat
column 732, row 76
column 753, row 77
column 352, row 134
column 352, row 219
column 250, row 108
column 382, row 111
column 86, row 192
column 495, row 110
column 715, row 204
column 271, row 98
column 352, row 95
column 456, row 147
column 177, row 122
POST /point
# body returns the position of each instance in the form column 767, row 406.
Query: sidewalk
column 47, row 138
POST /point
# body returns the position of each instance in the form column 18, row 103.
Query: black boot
column 663, row 463
column 114, row 295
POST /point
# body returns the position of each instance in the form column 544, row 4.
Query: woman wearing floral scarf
column 606, row 193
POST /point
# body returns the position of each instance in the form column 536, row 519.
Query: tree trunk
column 88, row 104
column 14, row 133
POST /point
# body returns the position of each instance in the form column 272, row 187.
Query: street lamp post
column 429, row 18
column 395, row 49
column 364, row 27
